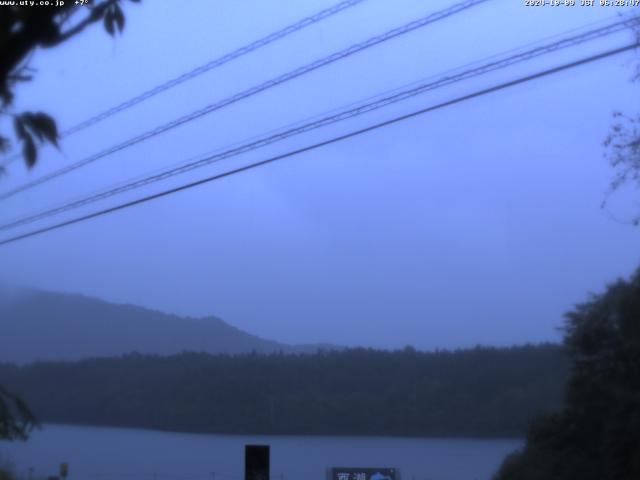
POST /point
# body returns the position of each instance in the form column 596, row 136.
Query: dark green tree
column 477, row 392
column 597, row 434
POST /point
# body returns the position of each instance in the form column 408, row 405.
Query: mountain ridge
column 73, row 326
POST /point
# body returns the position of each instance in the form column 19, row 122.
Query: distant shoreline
column 280, row 435
column 477, row 393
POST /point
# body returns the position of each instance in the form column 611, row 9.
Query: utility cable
column 479, row 93
column 371, row 42
column 215, row 63
column 327, row 120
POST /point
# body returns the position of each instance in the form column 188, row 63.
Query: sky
column 479, row 223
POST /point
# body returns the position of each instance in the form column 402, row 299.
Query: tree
column 16, row 419
column 597, row 434
column 23, row 29
column 335, row 392
column 623, row 144
column 623, row 147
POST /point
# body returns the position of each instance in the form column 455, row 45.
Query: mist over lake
column 95, row 453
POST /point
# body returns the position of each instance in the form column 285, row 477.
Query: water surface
column 100, row 453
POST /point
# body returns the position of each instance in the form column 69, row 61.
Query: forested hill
column 72, row 327
column 476, row 392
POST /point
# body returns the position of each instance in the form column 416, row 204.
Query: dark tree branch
column 24, row 29
column 97, row 12
column 16, row 419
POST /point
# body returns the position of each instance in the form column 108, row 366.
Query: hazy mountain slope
column 53, row 326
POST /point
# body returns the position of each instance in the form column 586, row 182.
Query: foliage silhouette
column 23, row 29
column 477, row 392
column 16, row 419
column 596, row 436
column 623, row 148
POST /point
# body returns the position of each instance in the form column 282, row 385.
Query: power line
column 479, row 93
column 371, row 42
column 215, row 63
column 330, row 119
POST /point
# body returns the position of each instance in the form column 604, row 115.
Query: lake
column 100, row 453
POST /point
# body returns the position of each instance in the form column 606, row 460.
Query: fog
column 475, row 224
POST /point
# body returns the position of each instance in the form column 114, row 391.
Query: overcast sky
column 478, row 223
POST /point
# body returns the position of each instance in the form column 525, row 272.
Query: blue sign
column 351, row 473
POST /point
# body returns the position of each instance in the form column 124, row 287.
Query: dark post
column 256, row 462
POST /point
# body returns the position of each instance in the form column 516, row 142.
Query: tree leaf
column 29, row 151
column 108, row 23
column 43, row 126
column 18, row 124
column 118, row 17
